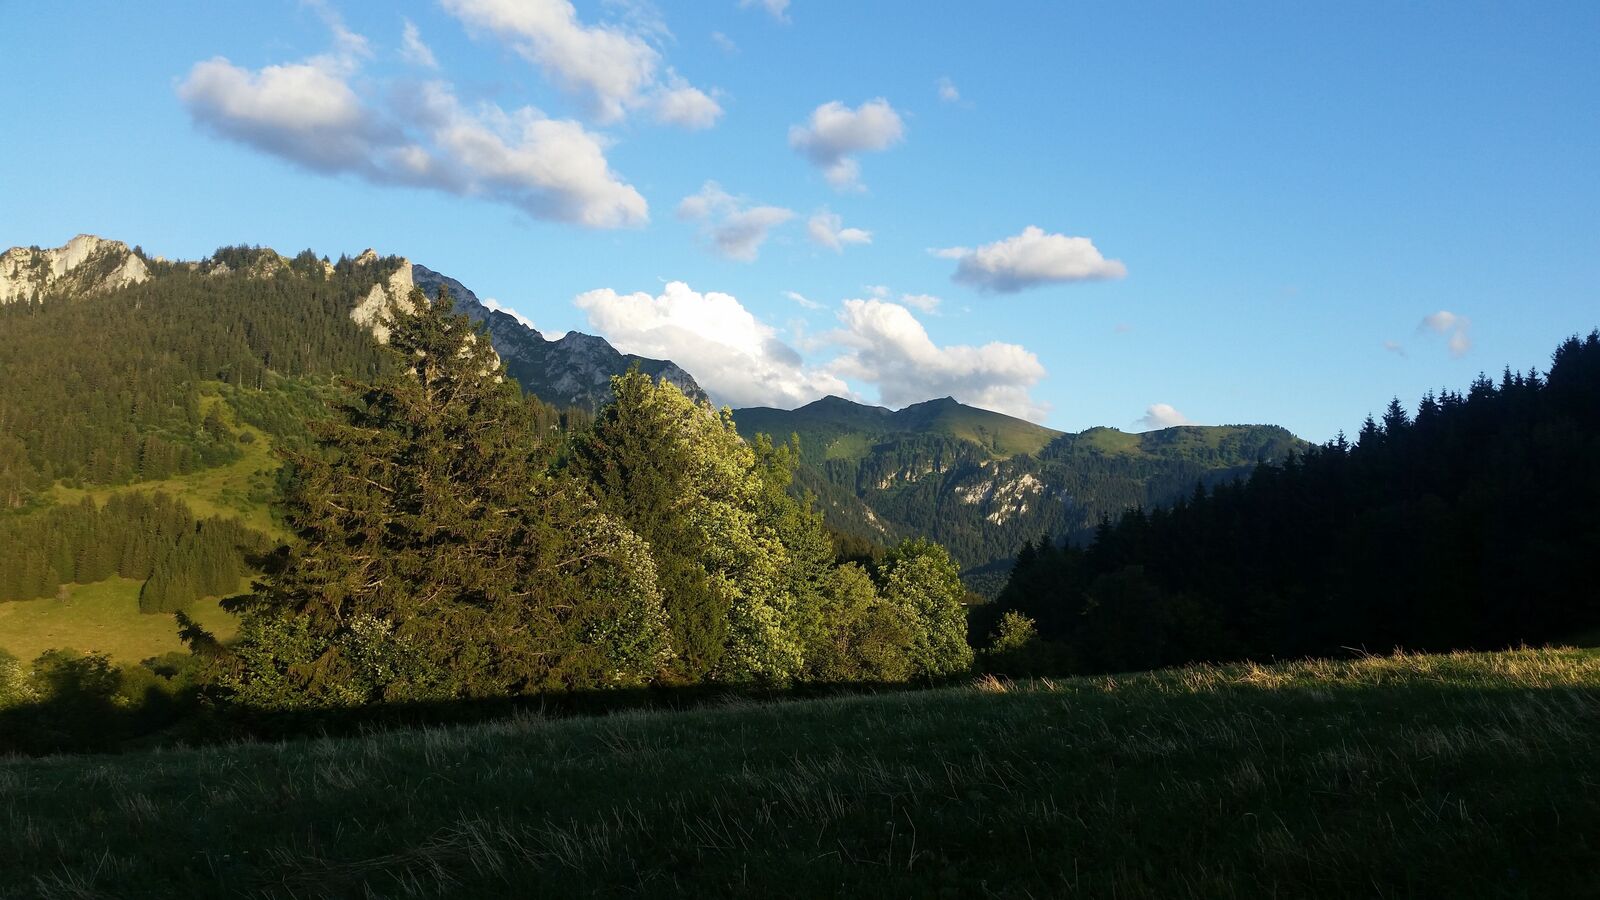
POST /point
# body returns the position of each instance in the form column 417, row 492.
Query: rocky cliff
column 85, row 265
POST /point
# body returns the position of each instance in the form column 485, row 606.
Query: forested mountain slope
column 128, row 379
column 1472, row 523
column 982, row 483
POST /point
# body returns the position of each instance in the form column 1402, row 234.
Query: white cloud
column 1395, row 347
column 1161, row 415
column 778, row 9
column 887, row 346
column 1030, row 259
column 836, row 133
column 682, row 104
column 802, row 299
column 948, row 92
column 413, row 50
column 303, row 111
column 736, row 229
column 1458, row 327
column 928, row 303
column 610, row 68
column 309, row 114
column 724, row 43
column 828, row 229
column 737, row 358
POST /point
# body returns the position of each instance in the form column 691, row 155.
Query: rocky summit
column 85, row 264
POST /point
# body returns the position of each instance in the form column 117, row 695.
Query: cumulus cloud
column 1458, row 327
column 778, row 9
column 609, row 68
column 724, row 43
column 886, row 345
column 948, row 92
column 735, row 228
column 828, row 229
column 303, row 111
column 926, row 302
column 1030, row 259
column 836, row 133
column 309, row 114
column 682, row 104
column 413, row 50
column 736, row 357
column 1160, row 415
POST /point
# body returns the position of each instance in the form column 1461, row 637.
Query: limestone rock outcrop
column 85, row 264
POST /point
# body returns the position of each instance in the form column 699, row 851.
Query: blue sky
column 1087, row 214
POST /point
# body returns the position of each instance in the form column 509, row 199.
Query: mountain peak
column 88, row 263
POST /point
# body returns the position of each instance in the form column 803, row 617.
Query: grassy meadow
column 103, row 617
column 1467, row 775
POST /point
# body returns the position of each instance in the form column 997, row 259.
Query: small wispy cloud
column 802, row 299
column 735, row 227
column 828, row 229
column 413, row 50
column 1445, row 322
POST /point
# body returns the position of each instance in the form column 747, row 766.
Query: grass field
column 103, row 616
column 1470, row 775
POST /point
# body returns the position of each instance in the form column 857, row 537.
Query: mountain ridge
column 572, row 371
column 982, row 482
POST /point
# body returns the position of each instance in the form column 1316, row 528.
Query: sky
column 1130, row 214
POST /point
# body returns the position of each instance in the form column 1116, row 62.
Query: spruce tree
column 433, row 557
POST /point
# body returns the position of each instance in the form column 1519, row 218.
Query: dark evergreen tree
column 432, row 556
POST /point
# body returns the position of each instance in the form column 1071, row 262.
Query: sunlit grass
column 1458, row 775
column 103, row 617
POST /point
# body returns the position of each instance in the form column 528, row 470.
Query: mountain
column 573, row 370
column 981, row 483
column 84, row 265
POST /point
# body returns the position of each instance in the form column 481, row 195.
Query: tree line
column 446, row 548
column 1469, row 524
column 150, row 537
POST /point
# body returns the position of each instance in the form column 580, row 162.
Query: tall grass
column 1409, row 776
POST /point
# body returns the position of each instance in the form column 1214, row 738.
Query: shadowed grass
column 1458, row 775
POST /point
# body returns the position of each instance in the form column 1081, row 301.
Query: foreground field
column 102, row 617
column 1462, row 775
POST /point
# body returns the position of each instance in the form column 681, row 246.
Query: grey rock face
column 575, row 370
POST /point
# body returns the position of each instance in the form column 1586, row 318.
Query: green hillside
column 836, row 428
column 982, row 483
column 1440, row 776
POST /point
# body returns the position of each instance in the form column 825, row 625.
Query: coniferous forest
column 1467, row 524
